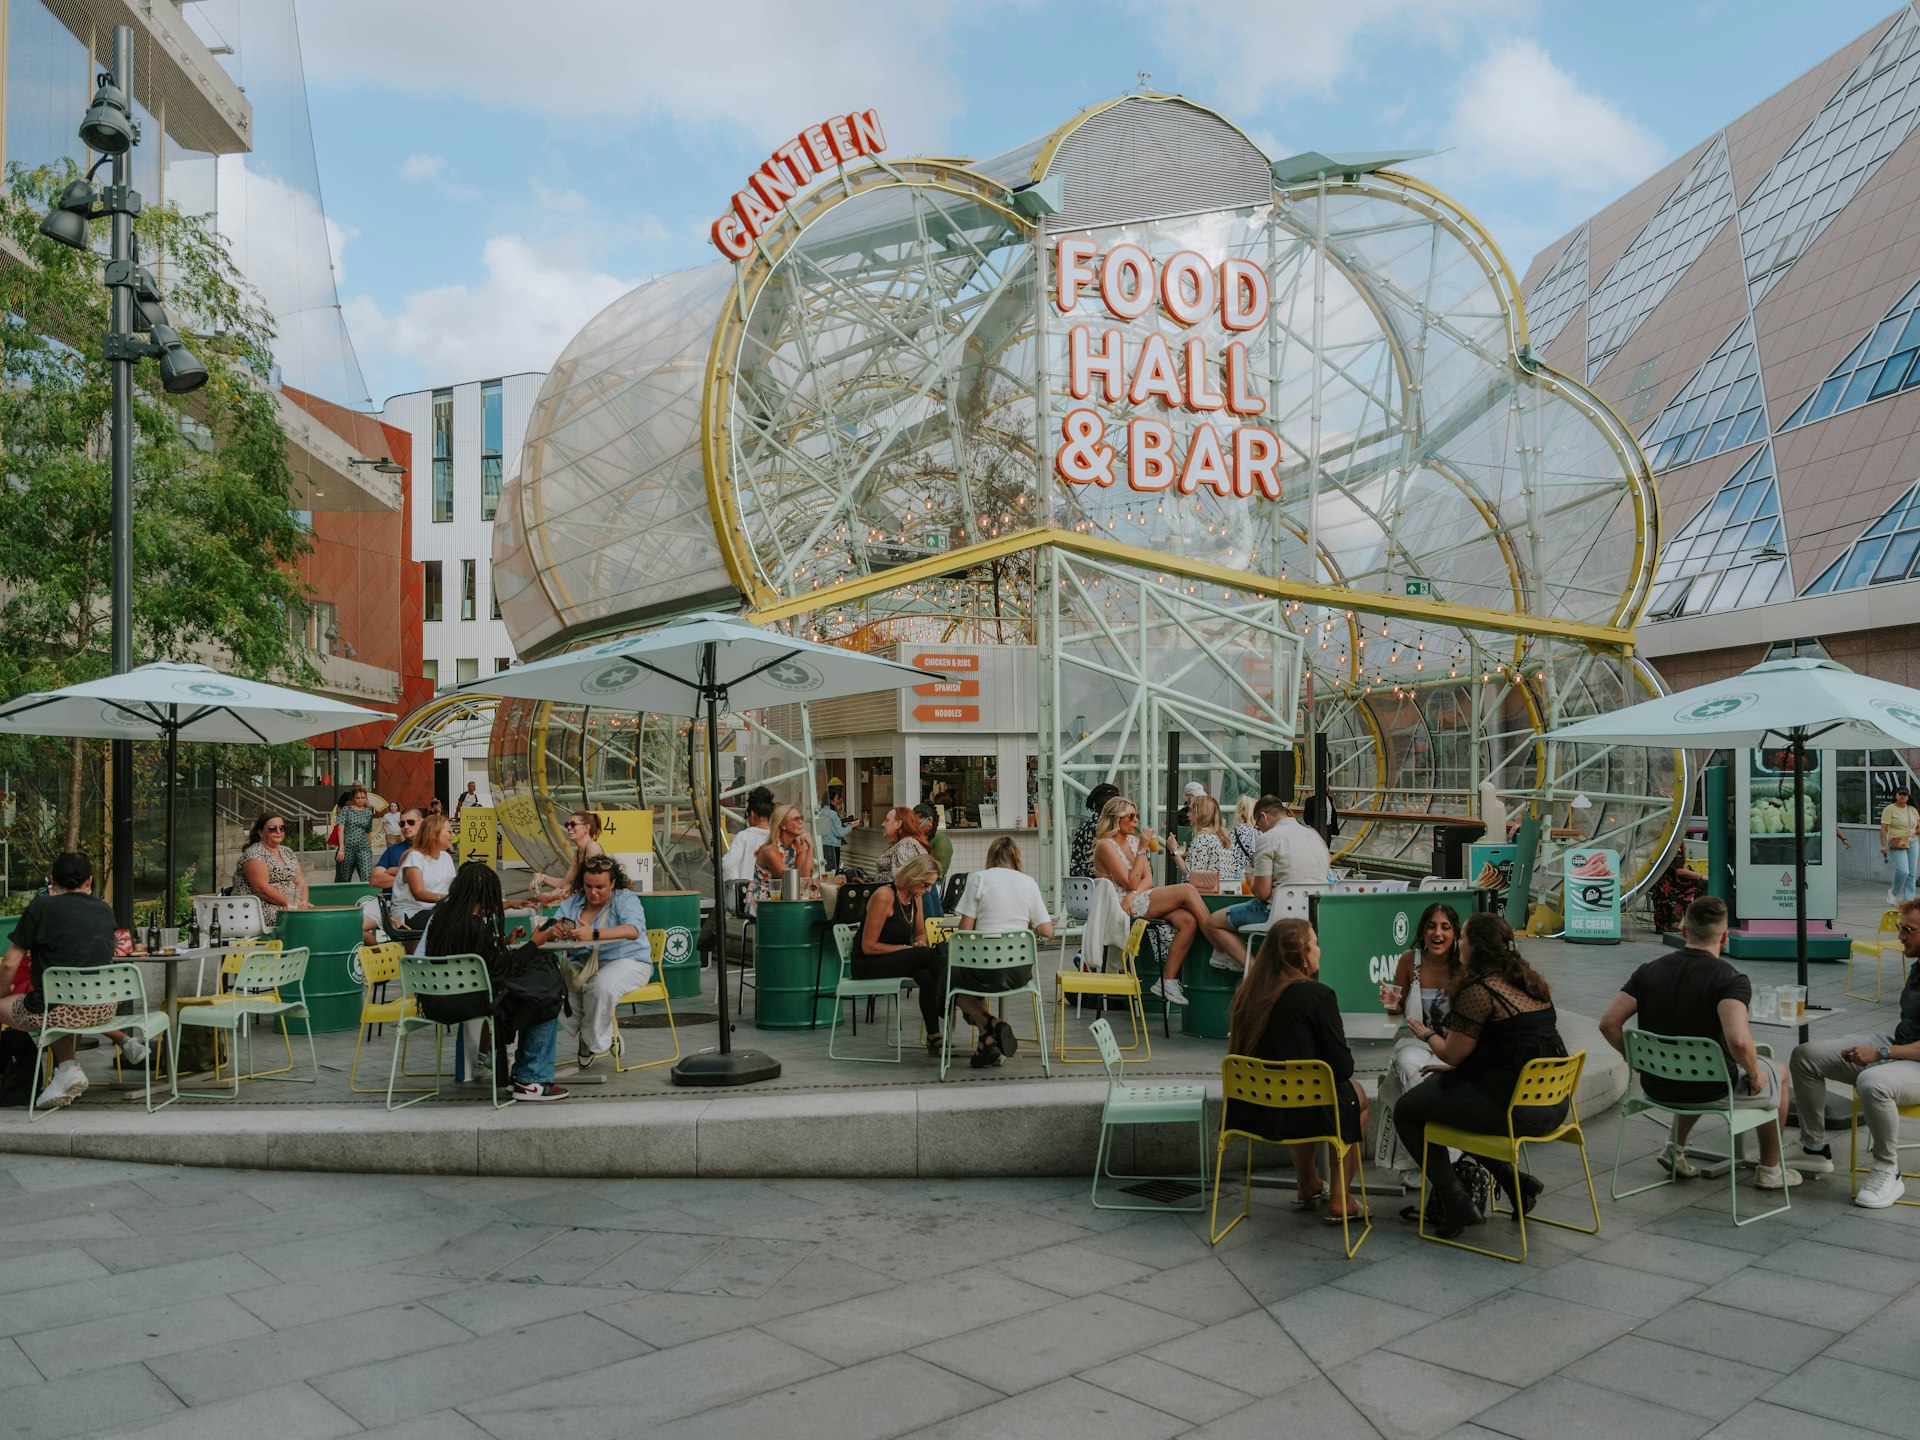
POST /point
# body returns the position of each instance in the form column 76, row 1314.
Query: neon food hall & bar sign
column 789, row 170
column 1188, row 291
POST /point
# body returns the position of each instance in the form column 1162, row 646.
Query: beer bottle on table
column 153, row 935
column 213, row 927
column 193, row 930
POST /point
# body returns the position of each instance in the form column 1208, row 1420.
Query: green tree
column 214, row 537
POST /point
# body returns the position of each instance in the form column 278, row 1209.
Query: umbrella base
column 735, row 1067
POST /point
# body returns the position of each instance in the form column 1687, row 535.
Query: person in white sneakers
column 1119, row 856
column 1695, row 992
column 1287, row 853
column 1884, row 1071
column 67, row 928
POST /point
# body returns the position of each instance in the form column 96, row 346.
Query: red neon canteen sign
column 788, row 171
column 1187, row 290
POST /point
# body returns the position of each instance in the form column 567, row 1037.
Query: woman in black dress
column 892, row 944
column 1281, row 1012
column 1502, row 1016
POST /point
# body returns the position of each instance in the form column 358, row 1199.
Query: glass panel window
column 469, row 589
column 466, row 671
column 323, row 627
column 1729, row 537
column 431, row 670
column 1560, row 294
column 430, row 590
column 493, row 587
column 442, row 457
column 1714, row 411
column 504, row 662
column 1882, row 553
column 960, row 785
column 492, row 435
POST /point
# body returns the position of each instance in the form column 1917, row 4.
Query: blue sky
column 498, row 178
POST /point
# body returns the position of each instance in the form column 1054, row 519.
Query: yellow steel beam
column 1372, row 602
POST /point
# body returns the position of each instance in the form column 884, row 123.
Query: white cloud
column 756, row 67
column 1521, row 117
column 535, row 298
column 1260, row 51
column 432, row 170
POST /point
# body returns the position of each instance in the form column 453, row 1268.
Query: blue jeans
column 533, row 1056
column 1901, row 882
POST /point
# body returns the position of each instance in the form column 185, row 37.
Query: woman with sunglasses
column 606, row 914
column 583, row 829
column 426, row 874
column 1422, row 981
column 269, row 871
column 788, row 847
column 1120, row 858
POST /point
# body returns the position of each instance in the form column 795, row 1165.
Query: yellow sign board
column 479, row 836
column 485, row 833
column 626, row 832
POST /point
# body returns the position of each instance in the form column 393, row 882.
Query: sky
column 497, row 171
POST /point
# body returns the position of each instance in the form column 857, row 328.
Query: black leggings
column 922, row 964
column 1465, row 1107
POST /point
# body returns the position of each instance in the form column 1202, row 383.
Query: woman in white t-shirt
column 426, row 872
column 1002, row 897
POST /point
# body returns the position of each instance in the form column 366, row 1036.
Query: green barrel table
column 1209, row 990
column 791, row 967
column 351, row 892
column 678, row 913
column 334, row 986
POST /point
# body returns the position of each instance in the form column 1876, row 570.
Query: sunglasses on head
column 597, row 866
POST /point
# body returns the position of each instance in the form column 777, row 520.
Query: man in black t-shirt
column 1695, row 992
column 65, row 929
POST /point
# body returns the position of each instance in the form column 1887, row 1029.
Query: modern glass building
column 1752, row 313
column 1126, row 432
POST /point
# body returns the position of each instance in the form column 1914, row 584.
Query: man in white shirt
column 1287, row 853
column 738, row 863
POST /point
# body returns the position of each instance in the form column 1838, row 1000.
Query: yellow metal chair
column 380, row 966
column 1885, row 939
column 224, row 994
column 1283, row 1085
column 1546, row 1081
column 941, row 928
column 1907, row 1112
column 646, row 994
column 1124, row 981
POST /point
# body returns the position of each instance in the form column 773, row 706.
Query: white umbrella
column 1800, row 701
column 171, row 702
column 700, row 666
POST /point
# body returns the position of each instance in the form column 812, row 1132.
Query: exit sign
column 1419, row 587
column 936, row 540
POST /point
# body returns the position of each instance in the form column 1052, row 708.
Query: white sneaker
column 1812, row 1162
column 1226, row 962
column 1674, row 1160
column 133, row 1051
column 1882, row 1189
column 1170, row 991
column 1777, row 1177
column 68, row 1084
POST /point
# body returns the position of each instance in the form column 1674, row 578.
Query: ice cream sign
column 1224, row 451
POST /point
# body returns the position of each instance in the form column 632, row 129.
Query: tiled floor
column 206, row 1303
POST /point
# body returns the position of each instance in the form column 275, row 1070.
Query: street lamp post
column 110, row 130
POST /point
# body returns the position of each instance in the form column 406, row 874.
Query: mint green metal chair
column 112, row 985
column 852, row 992
column 256, row 988
column 1175, row 1104
column 450, row 975
column 1698, row 1060
column 975, row 950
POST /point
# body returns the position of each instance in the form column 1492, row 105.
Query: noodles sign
column 1228, row 458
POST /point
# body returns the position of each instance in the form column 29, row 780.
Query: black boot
column 1449, row 1208
column 1504, row 1178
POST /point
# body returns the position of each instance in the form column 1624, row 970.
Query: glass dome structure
column 854, row 431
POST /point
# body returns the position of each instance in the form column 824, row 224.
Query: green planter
column 791, row 967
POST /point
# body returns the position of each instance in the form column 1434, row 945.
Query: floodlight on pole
column 108, row 128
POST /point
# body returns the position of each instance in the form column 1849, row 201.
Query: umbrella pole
column 1799, row 753
column 725, row 1066
column 166, row 902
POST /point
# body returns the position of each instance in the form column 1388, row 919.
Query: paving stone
column 112, row 1397
column 100, row 1297
column 35, row 1268
column 1204, row 1291
column 1073, row 1269
column 1741, row 1335
column 374, row 1245
column 1811, row 1301
column 1866, row 1231
column 632, row 1396
column 152, row 1332
column 1639, row 1293
column 1434, row 1278
column 745, row 1267
column 15, row 1368
column 1559, row 1408
column 214, row 1372
column 1516, row 1338
column 1250, row 1352
column 1667, row 1255
column 1838, row 1265
column 1852, row 1394
column 1027, row 1350
column 1761, row 1421
column 479, row 1252
column 1314, row 1407
column 669, row 1318
column 1067, row 1409
column 285, row 1412
column 1886, row 1342
column 1408, row 1399
column 1333, row 1325
column 1165, row 1388
column 1699, row 1384
column 346, row 1292
column 655, row 1260
column 908, row 1315
column 460, row 1374
column 890, row 1396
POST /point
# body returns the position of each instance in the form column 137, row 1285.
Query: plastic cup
column 1793, row 1004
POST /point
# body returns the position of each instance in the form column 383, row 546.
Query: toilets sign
column 1224, row 450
